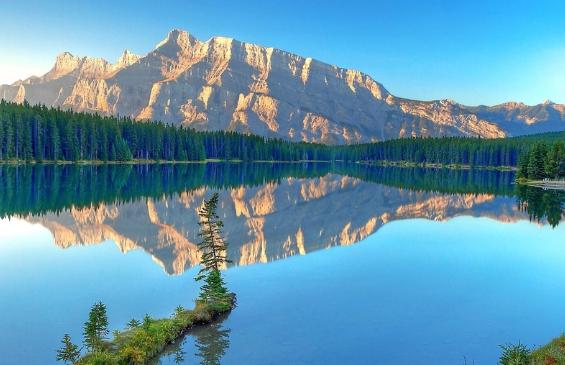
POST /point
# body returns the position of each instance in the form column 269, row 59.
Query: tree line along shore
column 38, row 134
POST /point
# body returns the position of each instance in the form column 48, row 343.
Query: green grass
column 141, row 344
column 552, row 353
column 456, row 166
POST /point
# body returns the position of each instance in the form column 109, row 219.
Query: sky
column 474, row 52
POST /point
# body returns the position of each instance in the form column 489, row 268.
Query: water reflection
column 465, row 269
column 39, row 189
column 179, row 356
column 210, row 344
column 541, row 204
column 270, row 211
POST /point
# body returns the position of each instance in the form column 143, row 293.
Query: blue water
column 47, row 291
column 415, row 292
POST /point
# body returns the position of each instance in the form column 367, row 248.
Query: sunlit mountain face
column 226, row 84
column 270, row 211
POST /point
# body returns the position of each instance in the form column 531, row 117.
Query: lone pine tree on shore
column 214, row 254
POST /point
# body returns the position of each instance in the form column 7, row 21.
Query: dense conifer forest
column 24, row 191
column 543, row 161
column 455, row 150
column 38, row 134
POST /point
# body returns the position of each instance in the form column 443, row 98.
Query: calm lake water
column 333, row 264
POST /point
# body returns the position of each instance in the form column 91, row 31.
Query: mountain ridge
column 223, row 83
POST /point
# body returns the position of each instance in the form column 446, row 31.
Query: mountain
column 519, row 119
column 267, row 222
column 226, row 84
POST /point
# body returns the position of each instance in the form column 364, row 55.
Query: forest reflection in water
column 37, row 189
column 271, row 210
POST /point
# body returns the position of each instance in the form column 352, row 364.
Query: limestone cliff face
column 265, row 223
column 226, row 84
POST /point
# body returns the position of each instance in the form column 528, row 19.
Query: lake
column 332, row 263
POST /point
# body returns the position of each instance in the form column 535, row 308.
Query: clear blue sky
column 475, row 52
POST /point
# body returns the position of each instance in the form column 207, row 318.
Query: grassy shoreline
column 518, row 354
column 409, row 164
column 145, row 342
column 383, row 163
column 145, row 162
column 99, row 162
column 546, row 184
column 552, row 353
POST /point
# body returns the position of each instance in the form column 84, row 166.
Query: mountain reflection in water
column 270, row 211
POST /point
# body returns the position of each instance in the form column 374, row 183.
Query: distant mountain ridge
column 226, row 84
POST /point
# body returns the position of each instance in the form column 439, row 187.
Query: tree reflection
column 212, row 343
column 179, row 356
column 541, row 204
column 31, row 190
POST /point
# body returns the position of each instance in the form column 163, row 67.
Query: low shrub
column 515, row 355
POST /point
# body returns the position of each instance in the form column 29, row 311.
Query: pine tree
column 9, row 148
column 554, row 160
column 38, row 142
column 179, row 310
column 523, row 167
column 69, row 352
column 53, row 139
column 536, row 162
column 214, row 257
column 147, row 322
column 96, row 328
column 122, row 151
column 69, row 142
column 2, row 139
column 133, row 323
column 214, row 288
column 27, row 148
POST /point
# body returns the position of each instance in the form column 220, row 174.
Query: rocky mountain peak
column 226, row 84
column 448, row 102
column 66, row 62
column 126, row 59
column 221, row 40
column 510, row 105
column 176, row 40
